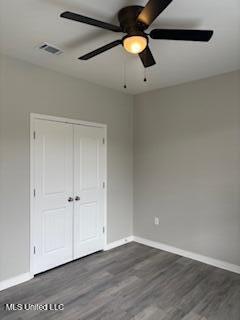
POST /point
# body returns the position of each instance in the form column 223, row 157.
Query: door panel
column 88, row 185
column 53, row 157
column 54, row 185
column 87, row 221
column 54, row 222
column 89, row 153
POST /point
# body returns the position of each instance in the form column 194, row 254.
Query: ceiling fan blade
column 185, row 35
column 152, row 10
column 147, row 58
column 90, row 21
column 100, row 50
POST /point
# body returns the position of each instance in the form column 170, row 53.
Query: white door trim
column 33, row 117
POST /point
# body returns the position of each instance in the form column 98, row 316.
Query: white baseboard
column 118, row 243
column 28, row 276
column 188, row 254
column 15, row 280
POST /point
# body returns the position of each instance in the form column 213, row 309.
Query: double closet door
column 68, row 209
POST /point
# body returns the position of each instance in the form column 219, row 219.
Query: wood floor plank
column 132, row 282
column 148, row 313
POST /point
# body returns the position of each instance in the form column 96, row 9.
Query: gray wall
column 25, row 88
column 187, row 166
column 187, row 159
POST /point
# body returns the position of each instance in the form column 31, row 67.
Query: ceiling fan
column 134, row 20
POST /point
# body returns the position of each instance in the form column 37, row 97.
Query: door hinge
column 34, row 135
column 34, row 250
column 34, row 193
column 103, row 229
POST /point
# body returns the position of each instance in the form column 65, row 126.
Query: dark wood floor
column 132, row 282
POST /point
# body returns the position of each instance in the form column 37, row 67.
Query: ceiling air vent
column 50, row 49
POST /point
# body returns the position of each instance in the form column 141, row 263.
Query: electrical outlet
column 156, row 221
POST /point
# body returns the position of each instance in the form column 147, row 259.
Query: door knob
column 77, row 198
column 70, row 199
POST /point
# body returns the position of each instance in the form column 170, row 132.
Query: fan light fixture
column 133, row 21
column 135, row 44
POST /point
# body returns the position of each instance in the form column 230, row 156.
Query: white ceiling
column 24, row 24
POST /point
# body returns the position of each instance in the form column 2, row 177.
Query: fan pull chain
column 145, row 75
column 125, row 75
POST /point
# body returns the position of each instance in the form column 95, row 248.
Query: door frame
column 36, row 116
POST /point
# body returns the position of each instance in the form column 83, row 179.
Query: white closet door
column 53, row 220
column 89, row 166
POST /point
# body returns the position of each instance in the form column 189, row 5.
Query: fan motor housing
column 127, row 17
